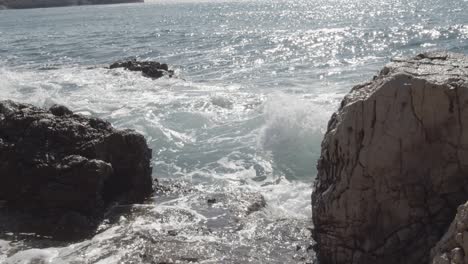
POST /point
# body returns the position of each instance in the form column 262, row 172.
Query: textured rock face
column 394, row 164
column 453, row 247
column 57, row 162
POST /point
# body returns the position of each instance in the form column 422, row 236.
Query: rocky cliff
column 18, row 4
column 394, row 164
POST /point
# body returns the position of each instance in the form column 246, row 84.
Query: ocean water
column 242, row 121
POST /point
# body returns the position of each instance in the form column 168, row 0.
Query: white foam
column 243, row 127
column 4, row 247
column 288, row 199
column 31, row 256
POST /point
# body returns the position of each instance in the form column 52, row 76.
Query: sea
column 236, row 132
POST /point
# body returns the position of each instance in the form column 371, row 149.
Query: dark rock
column 62, row 164
column 256, row 205
column 394, row 164
column 190, row 260
column 150, row 69
column 60, row 110
column 71, row 225
column 164, row 67
column 431, row 56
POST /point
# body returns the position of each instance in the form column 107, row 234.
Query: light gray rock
column 453, row 245
column 394, row 164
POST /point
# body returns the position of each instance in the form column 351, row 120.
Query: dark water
column 257, row 82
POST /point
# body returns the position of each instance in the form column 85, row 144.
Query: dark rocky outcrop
column 20, row 4
column 66, row 167
column 394, row 164
column 150, row 69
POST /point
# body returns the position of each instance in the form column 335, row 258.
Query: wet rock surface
column 179, row 226
column 394, row 164
column 59, row 170
column 151, row 69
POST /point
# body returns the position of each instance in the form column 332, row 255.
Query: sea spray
column 293, row 130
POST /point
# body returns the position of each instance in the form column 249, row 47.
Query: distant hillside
column 15, row 4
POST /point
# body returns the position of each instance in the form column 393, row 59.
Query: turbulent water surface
column 236, row 135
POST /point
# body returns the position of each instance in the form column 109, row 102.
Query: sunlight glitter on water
column 256, row 82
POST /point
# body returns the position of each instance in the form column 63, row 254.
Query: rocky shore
column 394, row 166
column 65, row 169
column 21, row 4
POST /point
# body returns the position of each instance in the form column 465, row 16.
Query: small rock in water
column 172, row 233
column 257, row 204
column 150, row 69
